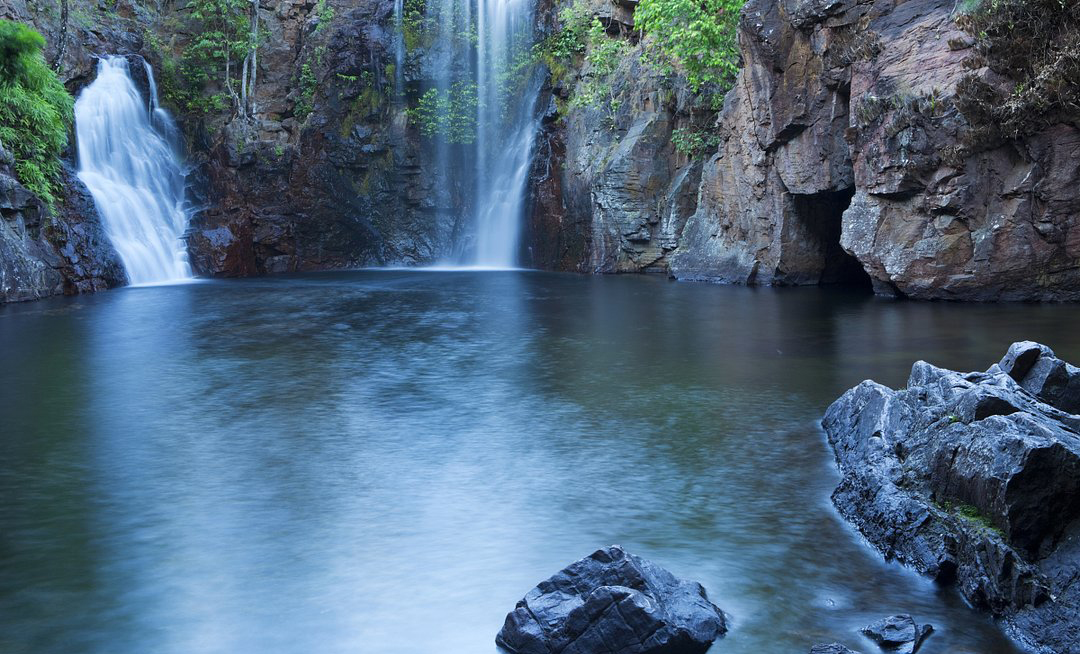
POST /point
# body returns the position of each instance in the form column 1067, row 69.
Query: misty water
column 385, row 462
column 129, row 160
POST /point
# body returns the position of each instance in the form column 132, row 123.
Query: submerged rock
column 898, row 632
column 613, row 601
column 974, row 479
column 831, row 648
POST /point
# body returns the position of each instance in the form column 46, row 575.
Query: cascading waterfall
column 128, row 159
column 489, row 105
column 506, row 127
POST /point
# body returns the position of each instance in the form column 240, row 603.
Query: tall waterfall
column 475, row 57
column 129, row 160
column 506, row 127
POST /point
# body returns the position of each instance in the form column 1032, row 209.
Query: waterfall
column 506, row 127
column 399, row 48
column 128, row 159
column 478, row 64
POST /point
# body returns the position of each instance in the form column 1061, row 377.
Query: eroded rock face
column 349, row 184
column 852, row 101
column 45, row 252
column 613, row 601
column 609, row 193
column 974, row 479
column 771, row 199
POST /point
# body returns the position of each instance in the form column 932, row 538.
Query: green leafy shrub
column 603, row 56
column 697, row 36
column 36, row 110
column 325, row 12
column 693, row 142
column 416, row 27
column 214, row 60
column 558, row 51
column 567, row 42
column 448, row 114
column 306, row 90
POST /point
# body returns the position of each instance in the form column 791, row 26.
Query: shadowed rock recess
column 974, row 479
column 613, row 601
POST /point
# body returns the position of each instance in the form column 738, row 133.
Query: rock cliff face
column 771, row 200
column 842, row 155
column 610, row 192
column 344, row 181
column 974, row 479
column 842, row 129
column 51, row 251
column 63, row 249
column 348, row 184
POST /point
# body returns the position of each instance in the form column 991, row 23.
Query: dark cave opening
column 820, row 216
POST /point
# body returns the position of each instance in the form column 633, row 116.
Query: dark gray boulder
column 898, row 633
column 1041, row 373
column 974, row 479
column 613, row 601
column 831, row 648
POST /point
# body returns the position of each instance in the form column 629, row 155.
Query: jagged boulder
column 898, row 633
column 612, row 601
column 974, row 479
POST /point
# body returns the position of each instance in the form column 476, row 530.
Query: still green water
column 385, row 462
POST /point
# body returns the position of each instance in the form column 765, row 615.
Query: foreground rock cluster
column 613, row 602
column 974, row 479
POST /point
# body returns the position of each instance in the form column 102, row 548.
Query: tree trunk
column 61, row 46
column 254, row 51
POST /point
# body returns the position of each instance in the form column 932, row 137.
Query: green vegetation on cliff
column 35, row 109
column 219, row 58
column 603, row 56
column 688, row 39
column 697, row 36
column 449, row 114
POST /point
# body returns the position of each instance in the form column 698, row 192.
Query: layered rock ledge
column 974, row 479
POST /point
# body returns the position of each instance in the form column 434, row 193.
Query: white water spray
column 479, row 47
column 506, row 127
column 128, row 160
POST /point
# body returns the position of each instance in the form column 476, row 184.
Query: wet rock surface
column 350, row 182
column 898, row 633
column 831, row 648
column 613, row 601
column 47, row 251
column 974, row 480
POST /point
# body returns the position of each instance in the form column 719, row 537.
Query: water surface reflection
column 386, row 461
